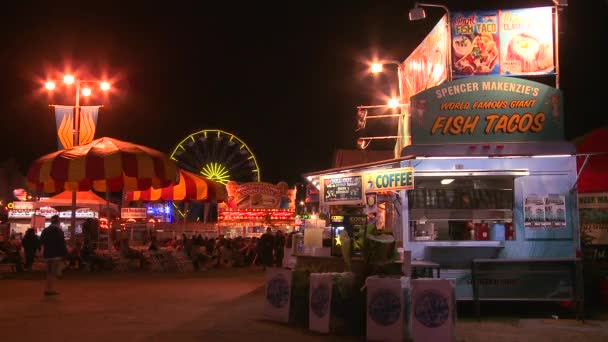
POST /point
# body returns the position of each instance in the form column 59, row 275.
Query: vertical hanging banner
column 433, row 310
column 278, row 294
column 320, row 301
column 388, row 308
column 64, row 119
column 88, row 123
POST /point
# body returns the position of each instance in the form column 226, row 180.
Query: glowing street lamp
column 376, row 68
column 49, row 85
column 68, row 79
column 394, row 102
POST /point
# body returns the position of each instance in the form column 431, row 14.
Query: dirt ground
column 219, row 305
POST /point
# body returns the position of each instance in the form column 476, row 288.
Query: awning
column 592, row 161
column 84, row 199
column 395, row 162
column 191, row 187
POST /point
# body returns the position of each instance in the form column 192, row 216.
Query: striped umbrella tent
column 191, row 187
column 104, row 164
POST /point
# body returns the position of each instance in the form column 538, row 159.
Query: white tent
column 84, row 199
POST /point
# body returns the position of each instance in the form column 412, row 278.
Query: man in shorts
column 55, row 251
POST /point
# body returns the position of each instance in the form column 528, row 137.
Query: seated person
column 225, row 257
column 73, row 257
column 88, row 255
column 2, row 255
column 130, row 253
column 153, row 247
column 11, row 254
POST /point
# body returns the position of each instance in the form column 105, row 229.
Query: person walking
column 55, row 250
column 30, row 243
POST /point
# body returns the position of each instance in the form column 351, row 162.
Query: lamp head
column 417, row 13
column 376, row 67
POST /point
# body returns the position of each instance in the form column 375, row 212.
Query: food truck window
column 461, row 208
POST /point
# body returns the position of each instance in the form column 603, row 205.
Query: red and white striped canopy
column 104, row 164
column 191, row 187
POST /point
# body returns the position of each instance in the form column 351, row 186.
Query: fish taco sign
column 487, row 109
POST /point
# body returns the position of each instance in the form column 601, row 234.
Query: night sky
column 285, row 77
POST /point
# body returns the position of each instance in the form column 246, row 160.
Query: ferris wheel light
column 217, row 155
column 86, row 91
column 49, row 85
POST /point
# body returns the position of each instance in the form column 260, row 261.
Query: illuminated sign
column 505, row 42
column 133, row 213
column 336, row 218
column 259, row 195
column 48, row 212
column 23, row 205
column 389, row 180
column 485, row 109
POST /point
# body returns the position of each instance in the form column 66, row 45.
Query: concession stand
column 494, row 202
column 254, row 206
column 36, row 214
column 592, row 188
column 185, row 207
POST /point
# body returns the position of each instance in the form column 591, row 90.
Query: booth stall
column 37, row 214
column 186, row 207
column 252, row 207
column 494, row 202
column 592, row 188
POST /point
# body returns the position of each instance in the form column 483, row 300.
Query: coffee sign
column 389, row 180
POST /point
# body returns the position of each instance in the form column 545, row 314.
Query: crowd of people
column 265, row 251
column 204, row 252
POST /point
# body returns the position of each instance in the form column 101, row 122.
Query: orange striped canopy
column 191, row 187
column 104, row 164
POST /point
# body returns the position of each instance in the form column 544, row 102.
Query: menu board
column 342, row 190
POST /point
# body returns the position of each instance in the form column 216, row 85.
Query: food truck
column 494, row 202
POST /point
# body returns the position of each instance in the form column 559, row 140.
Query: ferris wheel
column 217, row 155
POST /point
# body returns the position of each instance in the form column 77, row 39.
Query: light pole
column 86, row 91
column 378, row 67
column 394, row 102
